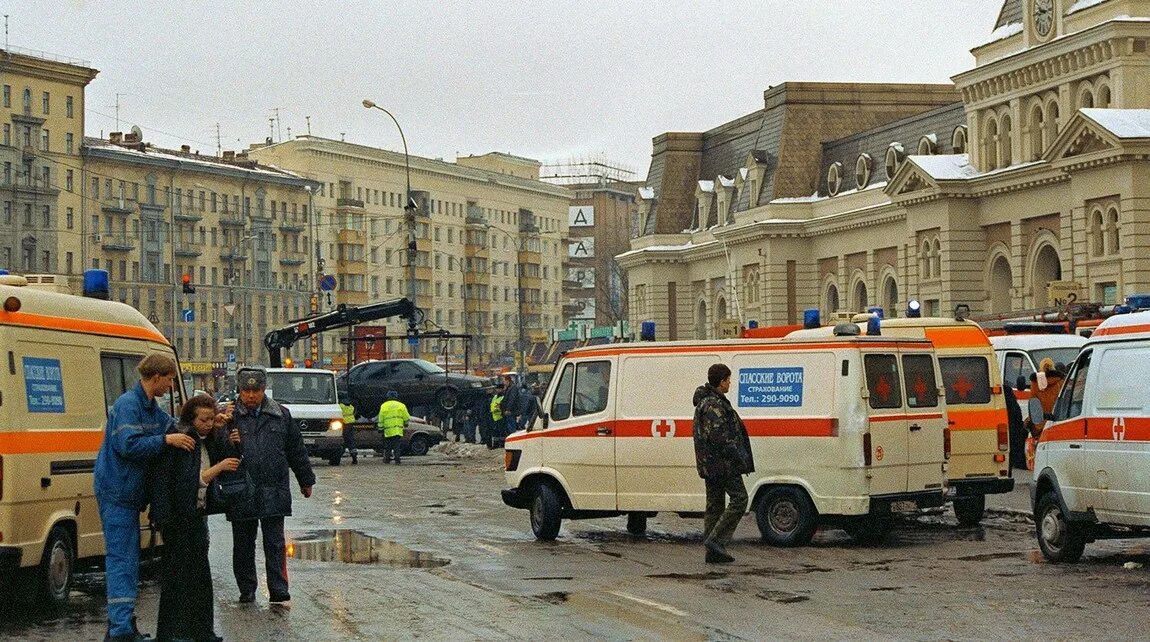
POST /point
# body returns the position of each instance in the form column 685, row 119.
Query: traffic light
column 288, row 363
column 186, row 281
column 307, row 363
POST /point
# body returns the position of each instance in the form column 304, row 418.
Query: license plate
column 310, row 441
column 904, row 506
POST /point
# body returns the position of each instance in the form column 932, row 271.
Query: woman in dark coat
column 179, row 507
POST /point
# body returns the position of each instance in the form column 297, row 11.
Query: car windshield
column 301, row 387
column 1064, row 356
column 428, row 367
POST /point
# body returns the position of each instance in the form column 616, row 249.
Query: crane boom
column 342, row 317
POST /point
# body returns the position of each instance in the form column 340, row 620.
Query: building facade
column 1022, row 182
column 600, row 219
column 42, row 116
column 490, row 240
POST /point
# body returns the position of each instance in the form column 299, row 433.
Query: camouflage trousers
column 721, row 518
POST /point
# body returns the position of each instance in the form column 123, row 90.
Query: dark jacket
column 133, row 438
column 722, row 446
column 1017, row 429
column 513, row 399
column 175, row 481
column 270, row 445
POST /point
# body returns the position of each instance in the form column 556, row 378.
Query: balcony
column 294, row 227
column 423, row 245
column 476, row 278
column 118, row 207
column 344, row 266
column 476, row 251
column 530, row 257
column 473, row 305
column 116, row 243
column 188, row 216
column 188, row 250
column 349, row 203
column 532, row 308
column 351, row 236
column 531, row 282
column 352, row 297
column 292, row 260
column 233, row 254
column 423, row 273
column 233, row 219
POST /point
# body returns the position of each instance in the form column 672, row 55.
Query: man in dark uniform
column 722, row 456
column 269, row 445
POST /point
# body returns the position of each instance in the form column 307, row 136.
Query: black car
column 419, row 384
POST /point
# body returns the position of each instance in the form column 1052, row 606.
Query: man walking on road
column 722, row 456
column 269, row 446
column 393, row 418
column 133, row 438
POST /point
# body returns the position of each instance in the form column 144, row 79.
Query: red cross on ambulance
column 962, row 387
column 663, row 428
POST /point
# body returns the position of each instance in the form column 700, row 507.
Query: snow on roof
column 1123, row 123
column 726, row 182
column 799, row 199
column 646, row 193
column 168, row 155
column 707, row 186
column 946, row 167
column 1004, row 32
column 1083, row 4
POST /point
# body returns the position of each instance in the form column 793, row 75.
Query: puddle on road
column 354, row 547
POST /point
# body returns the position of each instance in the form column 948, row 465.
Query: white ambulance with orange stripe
column 1092, row 465
column 65, row 361
column 980, row 436
column 845, row 431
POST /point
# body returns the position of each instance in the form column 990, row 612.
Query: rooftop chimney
column 131, row 137
column 115, row 137
column 229, row 155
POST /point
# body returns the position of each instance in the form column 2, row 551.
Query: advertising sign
column 43, row 385
column 585, row 308
column 581, row 216
column 585, row 277
column 770, row 387
column 583, row 248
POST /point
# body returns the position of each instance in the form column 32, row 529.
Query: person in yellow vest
column 348, row 411
column 393, row 418
column 497, row 433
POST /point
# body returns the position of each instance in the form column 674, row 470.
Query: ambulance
column 1020, row 354
column 1091, row 479
column 845, row 431
column 67, row 360
column 980, row 435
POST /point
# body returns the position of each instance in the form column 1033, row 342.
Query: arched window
column 958, row 139
column 1112, row 220
column 928, row 145
column 1085, row 98
column 1037, row 132
column 861, row 300
column 990, row 143
column 924, row 260
column 701, row 321
column 1097, row 238
column 832, row 299
column 890, row 296
column 1053, row 121
column 1005, row 152
column 936, row 257
column 834, row 178
column 1102, row 95
column 893, row 159
column 863, row 167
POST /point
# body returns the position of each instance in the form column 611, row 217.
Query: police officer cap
column 252, row 379
column 391, row 394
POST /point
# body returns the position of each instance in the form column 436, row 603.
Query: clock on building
column 1042, row 16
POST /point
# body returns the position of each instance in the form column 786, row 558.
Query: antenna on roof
column 138, row 133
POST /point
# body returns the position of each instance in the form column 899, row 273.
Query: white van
column 1092, row 459
column 1019, row 355
column 68, row 359
column 844, row 430
column 309, row 394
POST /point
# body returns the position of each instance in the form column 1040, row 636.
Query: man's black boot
column 716, row 553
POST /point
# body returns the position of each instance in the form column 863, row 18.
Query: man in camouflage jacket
column 722, row 456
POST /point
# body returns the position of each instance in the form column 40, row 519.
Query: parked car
column 419, row 384
column 418, row 437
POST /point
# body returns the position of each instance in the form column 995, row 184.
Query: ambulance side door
column 579, row 442
column 887, row 420
column 926, row 422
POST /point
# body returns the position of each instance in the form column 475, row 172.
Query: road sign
column 230, row 308
column 327, row 283
column 231, row 357
column 188, row 314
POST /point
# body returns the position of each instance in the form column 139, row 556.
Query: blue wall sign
column 327, row 283
column 44, row 384
column 770, row 387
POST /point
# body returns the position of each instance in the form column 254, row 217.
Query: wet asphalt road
column 432, row 553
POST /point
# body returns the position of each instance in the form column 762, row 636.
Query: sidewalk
column 1017, row 500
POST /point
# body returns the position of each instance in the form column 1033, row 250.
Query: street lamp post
column 232, row 276
column 313, row 288
column 519, row 294
column 409, row 219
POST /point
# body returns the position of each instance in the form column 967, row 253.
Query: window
column 7, row 95
column 68, row 106
column 882, row 381
column 967, row 380
column 561, row 401
column 46, row 99
column 1016, row 370
column 7, row 134
column 592, row 386
column 27, row 100
column 68, row 177
column 69, row 217
column 44, row 138
column 918, row 377
column 1069, row 402
column 119, row 372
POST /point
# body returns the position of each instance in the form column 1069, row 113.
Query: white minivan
column 844, row 431
column 1020, row 354
column 1091, row 464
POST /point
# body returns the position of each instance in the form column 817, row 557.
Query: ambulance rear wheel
column 969, row 510
column 545, row 513
column 57, row 567
column 1059, row 539
column 637, row 523
column 786, row 517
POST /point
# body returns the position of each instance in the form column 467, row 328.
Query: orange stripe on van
column 961, row 419
column 1135, row 429
column 683, row 427
column 751, row 347
column 82, row 326
column 50, row 441
column 965, row 336
column 1122, row 329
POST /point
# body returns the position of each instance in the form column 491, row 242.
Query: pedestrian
column 393, row 418
column 179, row 485
column 269, row 443
column 722, row 457
column 532, row 407
column 497, row 419
column 135, row 434
column 514, row 401
column 1016, row 427
column 348, row 412
column 481, row 411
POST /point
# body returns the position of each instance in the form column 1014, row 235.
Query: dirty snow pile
column 463, row 450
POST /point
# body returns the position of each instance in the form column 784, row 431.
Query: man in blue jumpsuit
column 133, row 437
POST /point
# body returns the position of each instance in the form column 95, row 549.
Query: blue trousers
column 122, row 565
column 244, row 555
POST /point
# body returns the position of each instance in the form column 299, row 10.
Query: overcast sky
column 550, row 80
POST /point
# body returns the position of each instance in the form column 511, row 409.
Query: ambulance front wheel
column 57, row 567
column 786, row 517
column 1060, row 539
column 969, row 509
column 545, row 513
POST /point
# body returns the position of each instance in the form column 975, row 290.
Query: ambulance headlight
column 336, row 425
